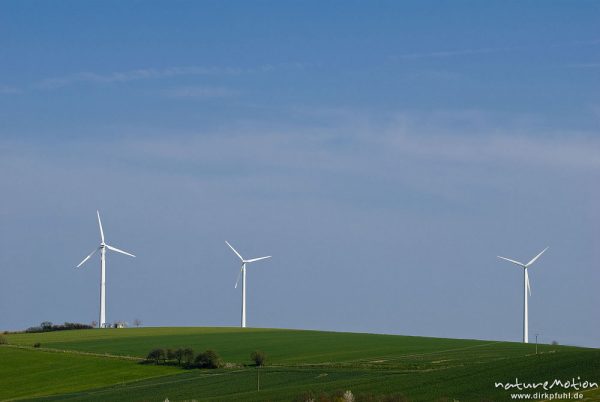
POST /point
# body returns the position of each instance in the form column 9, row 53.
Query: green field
column 29, row 372
column 104, row 365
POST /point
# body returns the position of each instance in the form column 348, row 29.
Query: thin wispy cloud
column 491, row 50
column 366, row 145
column 116, row 77
column 453, row 53
column 371, row 152
column 549, row 153
column 133, row 75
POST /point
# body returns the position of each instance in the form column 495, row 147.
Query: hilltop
column 103, row 364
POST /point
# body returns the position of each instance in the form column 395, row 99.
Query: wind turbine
column 527, row 288
column 243, row 273
column 103, row 246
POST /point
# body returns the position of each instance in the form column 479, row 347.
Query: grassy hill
column 30, row 372
column 103, row 365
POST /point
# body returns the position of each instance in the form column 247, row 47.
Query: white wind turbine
column 103, row 246
column 243, row 273
column 527, row 288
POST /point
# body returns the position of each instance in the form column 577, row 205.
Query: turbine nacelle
column 103, row 245
column 244, row 262
column 525, row 266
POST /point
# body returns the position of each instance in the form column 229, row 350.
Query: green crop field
column 104, row 365
column 29, row 372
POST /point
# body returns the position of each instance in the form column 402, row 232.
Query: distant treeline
column 187, row 358
column 47, row 326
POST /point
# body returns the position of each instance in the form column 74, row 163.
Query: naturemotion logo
column 573, row 384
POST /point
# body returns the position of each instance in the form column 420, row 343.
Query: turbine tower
column 103, row 246
column 526, row 289
column 243, row 273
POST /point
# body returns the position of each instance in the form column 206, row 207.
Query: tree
column 3, row 340
column 188, row 355
column 258, row 357
column 46, row 326
column 137, row 322
column 178, row 355
column 157, row 355
column 208, row 359
column 170, row 354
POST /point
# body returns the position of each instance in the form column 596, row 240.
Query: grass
column 31, row 372
column 287, row 347
column 289, row 384
column 299, row 361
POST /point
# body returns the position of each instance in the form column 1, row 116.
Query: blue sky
column 384, row 154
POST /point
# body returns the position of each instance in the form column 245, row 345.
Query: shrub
column 157, row 355
column 258, row 357
column 37, row 345
column 208, row 359
column 3, row 340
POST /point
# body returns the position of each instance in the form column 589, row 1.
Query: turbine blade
column 513, row 261
column 100, row 224
column 234, row 250
column 536, row 257
column 528, row 285
column 88, row 257
column 238, row 278
column 119, row 251
column 257, row 259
